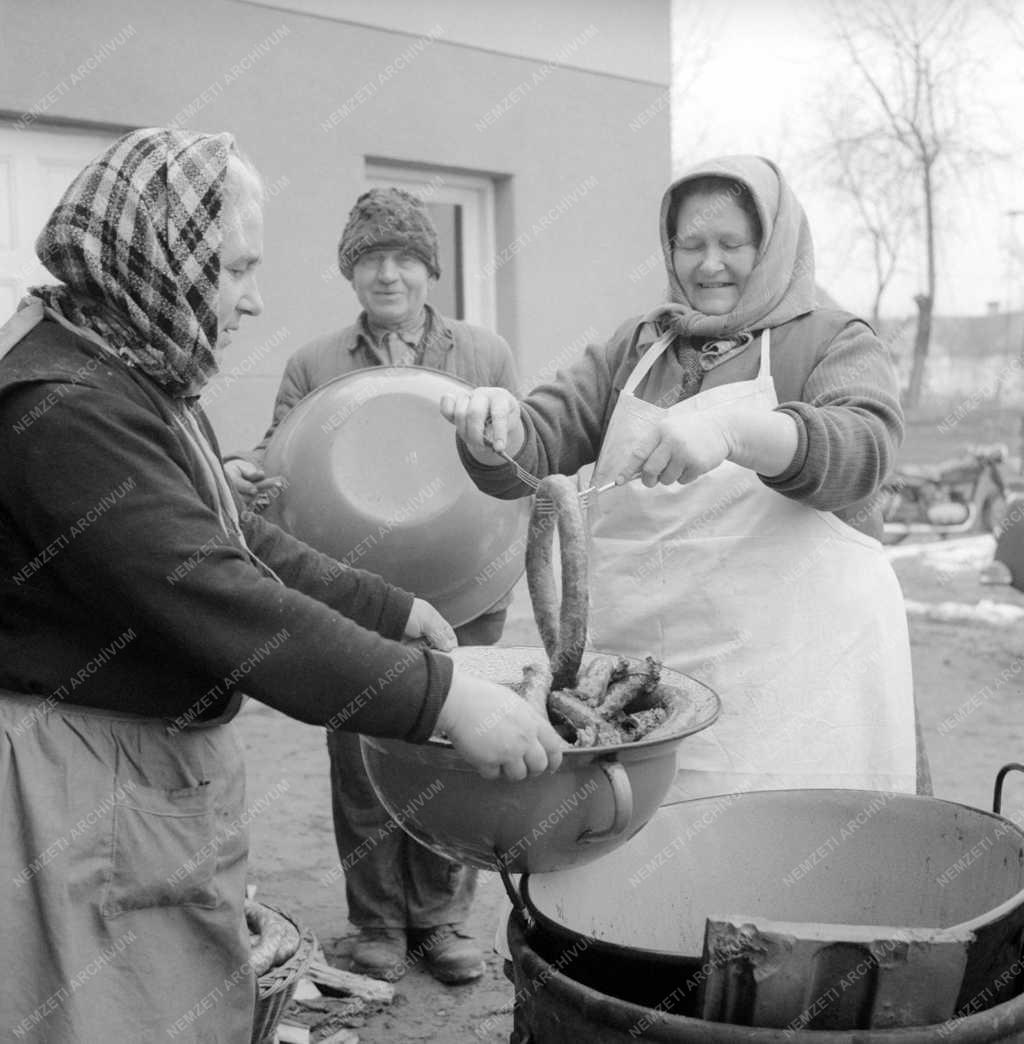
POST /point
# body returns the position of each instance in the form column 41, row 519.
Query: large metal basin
column 374, row 480
column 596, row 801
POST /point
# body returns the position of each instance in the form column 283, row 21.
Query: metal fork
column 546, row 506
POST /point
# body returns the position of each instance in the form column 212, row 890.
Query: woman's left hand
column 678, row 448
column 426, row 623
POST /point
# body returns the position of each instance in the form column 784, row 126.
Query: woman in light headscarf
column 136, row 602
column 761, row 428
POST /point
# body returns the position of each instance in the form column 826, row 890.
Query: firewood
column 291, row 1033
column 306, row 990
column 343, row 1036
column 351, row 983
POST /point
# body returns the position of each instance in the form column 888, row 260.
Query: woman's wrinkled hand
column 486, row 419
column 678, row 448
column 496, row 731
column 428, row 625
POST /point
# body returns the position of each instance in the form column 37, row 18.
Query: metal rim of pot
column 662, row 1025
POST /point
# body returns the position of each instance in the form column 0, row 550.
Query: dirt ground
column 968, row 649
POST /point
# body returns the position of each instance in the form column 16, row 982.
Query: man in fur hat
column 400, row 894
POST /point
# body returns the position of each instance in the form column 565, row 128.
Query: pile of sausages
column 611, row 700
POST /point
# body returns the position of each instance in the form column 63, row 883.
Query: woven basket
column 276, row 987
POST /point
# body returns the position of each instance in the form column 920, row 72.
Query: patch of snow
column 985, row 612
column 947, row 556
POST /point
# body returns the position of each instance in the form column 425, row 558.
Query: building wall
column 579, row 157
column 630, row 38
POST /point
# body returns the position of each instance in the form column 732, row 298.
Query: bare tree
column 695, row 29
column 870, row 177
column 912, row 81
column 1010, row 15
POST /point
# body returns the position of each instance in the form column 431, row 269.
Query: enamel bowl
column 597, row 800
column 373, row 479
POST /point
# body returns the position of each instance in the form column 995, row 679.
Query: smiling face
column 714, row 250
column 240, row 253
column 391, row 285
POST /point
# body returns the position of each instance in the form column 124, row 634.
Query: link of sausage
column 592, row 681
column 637, row 726
column 635, row 684
column 564, row 631
column 592, row 730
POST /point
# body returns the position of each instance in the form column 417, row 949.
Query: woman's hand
column 678, row 448
column 427, row 624
column 683, row 446
column 486, row 418
column 496, row 731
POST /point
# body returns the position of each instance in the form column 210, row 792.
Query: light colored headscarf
column 136, row 243
column 781, row 285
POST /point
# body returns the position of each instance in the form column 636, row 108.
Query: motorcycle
column 966, row 494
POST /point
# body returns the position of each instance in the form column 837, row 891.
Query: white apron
column 792, row 616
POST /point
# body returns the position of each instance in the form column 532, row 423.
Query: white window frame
column 29, row 190
column 475, row 194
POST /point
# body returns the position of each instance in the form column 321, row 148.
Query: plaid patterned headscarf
column 136, row 242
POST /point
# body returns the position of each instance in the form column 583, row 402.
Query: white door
column 36, row 166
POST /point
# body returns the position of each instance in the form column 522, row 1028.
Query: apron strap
column 766, row 353
column 647, row 360
column 658, row 348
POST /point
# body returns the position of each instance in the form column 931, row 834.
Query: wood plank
column 291, row 1033
column 343, row 1036
column 350, row 984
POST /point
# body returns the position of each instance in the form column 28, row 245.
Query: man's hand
column 496, row 731
column 251, row 482
column 486, row 419
column 426, row 623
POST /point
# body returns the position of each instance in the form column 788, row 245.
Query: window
column 36, row 166
column 462, row 208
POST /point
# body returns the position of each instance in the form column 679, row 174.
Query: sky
column 749, row 76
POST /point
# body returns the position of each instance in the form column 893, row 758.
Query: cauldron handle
column 512, row 892
column 622, row 802
column 997, row 793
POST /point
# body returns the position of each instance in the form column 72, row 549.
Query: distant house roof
column 998, row 334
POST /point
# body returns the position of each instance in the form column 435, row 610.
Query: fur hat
column 389, row 218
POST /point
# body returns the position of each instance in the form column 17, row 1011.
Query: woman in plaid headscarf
column 135, row 602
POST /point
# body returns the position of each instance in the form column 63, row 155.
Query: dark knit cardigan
column 120, row 589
